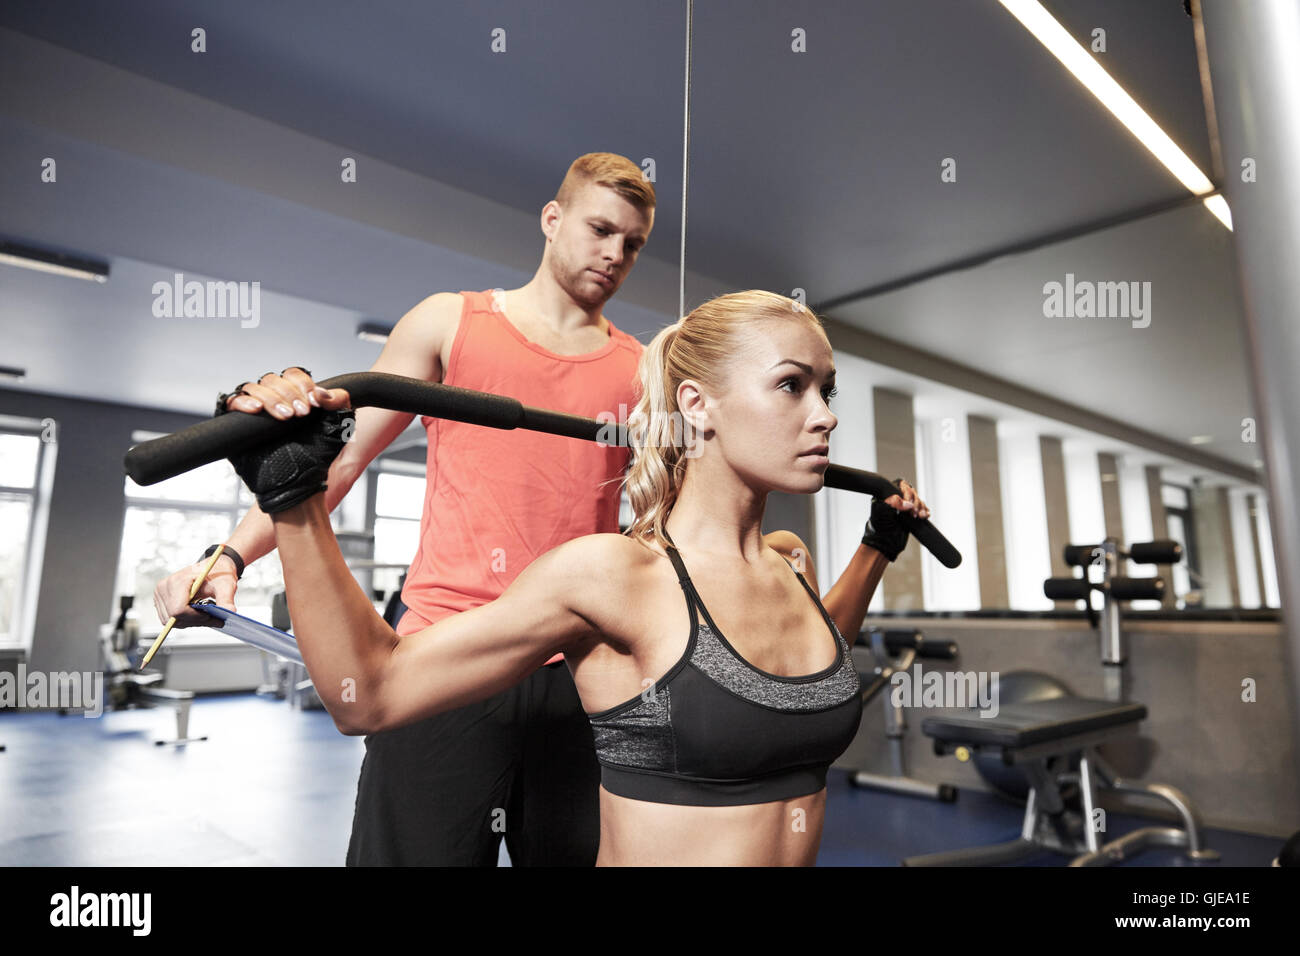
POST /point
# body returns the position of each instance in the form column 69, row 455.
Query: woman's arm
column 846, row 602
column 370, row 680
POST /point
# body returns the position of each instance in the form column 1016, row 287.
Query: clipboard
column 270, row 639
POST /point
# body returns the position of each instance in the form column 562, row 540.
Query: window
column 399, row 503
column 625, row 513
column 168, row 525
column 1181, row 527
column 27, row 450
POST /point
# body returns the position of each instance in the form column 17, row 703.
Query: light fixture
column 1201, row 439
column 53, row 262
column 1100, row 84
column 374, row 332
column 8, row 371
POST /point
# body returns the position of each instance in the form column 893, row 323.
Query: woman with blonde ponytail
column 718, row 684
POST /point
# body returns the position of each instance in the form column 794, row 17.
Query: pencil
column 171, row 622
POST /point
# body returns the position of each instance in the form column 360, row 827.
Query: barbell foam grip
column 902, row 639
column 1067, row 589
column 868, row 482
column 937, row 649
column 224, row 435
column 1162, row 551
column 1137, row 589
column 1080, row 555
column 161, row 458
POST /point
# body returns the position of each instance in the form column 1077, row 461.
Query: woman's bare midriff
column 638, row 833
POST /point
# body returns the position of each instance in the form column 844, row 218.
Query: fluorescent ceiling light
column 53, row 262
column 373, row 332
column 1089, row 72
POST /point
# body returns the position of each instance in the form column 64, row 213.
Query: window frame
column 27, row 587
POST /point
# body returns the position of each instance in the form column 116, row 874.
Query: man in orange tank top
column 520, row 765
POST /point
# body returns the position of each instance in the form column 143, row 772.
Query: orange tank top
column 497, row 499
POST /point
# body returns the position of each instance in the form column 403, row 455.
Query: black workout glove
column 886, row 529
column 293, row 467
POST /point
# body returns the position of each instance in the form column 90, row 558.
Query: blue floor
column 272, row 786
column 868, row 828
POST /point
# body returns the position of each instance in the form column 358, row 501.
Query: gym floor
column 273, row 786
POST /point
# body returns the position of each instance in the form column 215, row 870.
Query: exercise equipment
column 1052, row 738
column 1021, row 687
column 1289, row 855
column 127, row 686
column 1113, row 588
column 1033, row 735
column 161, row 458
column 895, row 652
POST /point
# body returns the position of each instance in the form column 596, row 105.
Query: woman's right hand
column 283, row 396
column 171, row 598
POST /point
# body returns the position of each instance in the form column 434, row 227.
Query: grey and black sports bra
column 717, row 731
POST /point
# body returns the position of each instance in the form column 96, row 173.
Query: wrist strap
column 226, row 551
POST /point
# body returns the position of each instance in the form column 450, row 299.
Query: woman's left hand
column 911, row 502
column 886, row 530
column 293, row 466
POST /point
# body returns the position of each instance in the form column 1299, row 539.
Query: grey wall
column 896, row 458
column 84, row 538
column 1113, row 516
column 1056, row 505
column 986, row 489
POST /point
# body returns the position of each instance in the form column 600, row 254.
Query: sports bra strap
column 682, row 577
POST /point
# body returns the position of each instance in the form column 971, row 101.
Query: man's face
column 595, row 241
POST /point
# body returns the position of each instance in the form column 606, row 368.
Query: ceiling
column 817, row 170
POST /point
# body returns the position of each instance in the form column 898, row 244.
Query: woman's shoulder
column 607, row 555
column 791, row 547
column 610, row 580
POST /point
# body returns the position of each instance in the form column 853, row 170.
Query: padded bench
column 1030, row 735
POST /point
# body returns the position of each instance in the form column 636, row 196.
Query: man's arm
column 413, row 349
column 371, row 681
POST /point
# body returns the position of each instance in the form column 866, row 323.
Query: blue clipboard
column 252, row 632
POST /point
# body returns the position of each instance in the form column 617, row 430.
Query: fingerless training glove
column 886, row 530
column 293, row 467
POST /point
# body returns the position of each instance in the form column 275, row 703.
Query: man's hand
column 171, row 598
column 290, row 394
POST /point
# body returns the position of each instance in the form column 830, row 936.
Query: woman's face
column 771, row 420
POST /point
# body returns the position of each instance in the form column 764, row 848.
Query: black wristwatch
column 227, row 551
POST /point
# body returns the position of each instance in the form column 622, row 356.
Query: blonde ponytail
column 657, row 469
